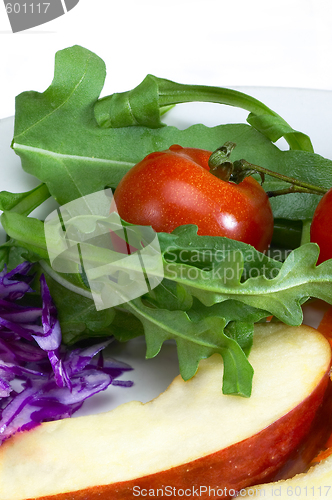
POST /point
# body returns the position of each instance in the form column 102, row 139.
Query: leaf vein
column 22, row 147
column 62, row 103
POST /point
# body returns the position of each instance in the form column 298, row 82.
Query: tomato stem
column 222, row 167
column 297, row 186
column 291, row 189
column 219, row 162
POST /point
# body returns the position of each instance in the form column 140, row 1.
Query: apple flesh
column 188, row 441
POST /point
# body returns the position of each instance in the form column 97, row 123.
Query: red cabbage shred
column 41, row 379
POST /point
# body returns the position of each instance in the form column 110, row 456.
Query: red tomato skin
column 321, row 227
column 174, row 187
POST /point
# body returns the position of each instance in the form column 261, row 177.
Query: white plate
column 309, row 111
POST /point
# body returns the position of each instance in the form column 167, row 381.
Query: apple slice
column 188, row 441
column 314, row 484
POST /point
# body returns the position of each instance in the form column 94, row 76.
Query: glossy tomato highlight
column 171, row 188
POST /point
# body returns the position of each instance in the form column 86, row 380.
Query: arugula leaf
column 185, row 246
column 24, row 203
column 170, row 295
column 239, row 318
column 143, row 105
column 60, row 142
column 282, row 292
column 125, row 326
column 213, row 292
column 11, row 255
column 214, row 289
column 195, row 341
column 274, row 127
column 77, row 314
column 28, row 231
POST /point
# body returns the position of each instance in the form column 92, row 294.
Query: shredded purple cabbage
column 40, row 379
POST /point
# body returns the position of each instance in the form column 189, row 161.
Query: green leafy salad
column 214, row 289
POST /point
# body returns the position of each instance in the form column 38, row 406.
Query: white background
column 274, row 43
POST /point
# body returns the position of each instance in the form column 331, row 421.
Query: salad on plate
column 204, row 247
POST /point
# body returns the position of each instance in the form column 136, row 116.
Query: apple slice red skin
column 252, row 461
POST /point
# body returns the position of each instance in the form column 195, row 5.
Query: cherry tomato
column 174, row 187
column 320, row 230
